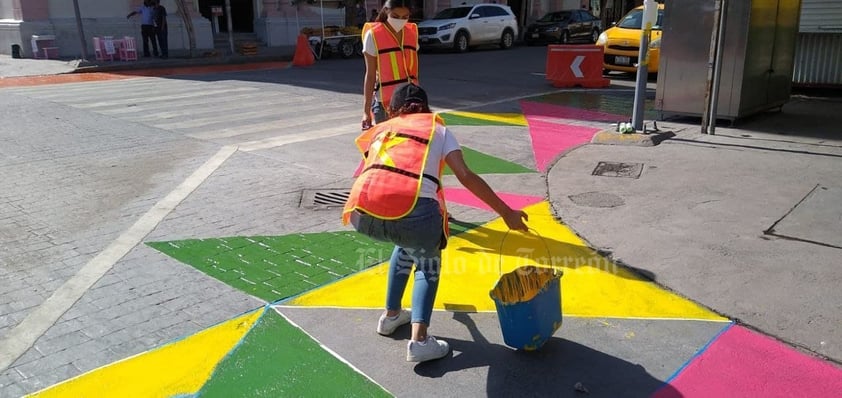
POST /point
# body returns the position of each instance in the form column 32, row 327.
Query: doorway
column 242, row 14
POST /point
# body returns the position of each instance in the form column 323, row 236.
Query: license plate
column 621, row 60
column 534, row 35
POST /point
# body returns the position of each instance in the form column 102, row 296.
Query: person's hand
column 515, row 220
column 366, row 122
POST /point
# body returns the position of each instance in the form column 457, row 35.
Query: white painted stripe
column 334, row 353
column 307, row 135
column 162, row 98
column 205, row 107
column 282, row 124
column 171, row 105
column 89, row 89
column 263, row 109
column 24, row 335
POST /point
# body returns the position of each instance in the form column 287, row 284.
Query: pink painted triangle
column 465, row 197
column 542, row 110
column 551, row 139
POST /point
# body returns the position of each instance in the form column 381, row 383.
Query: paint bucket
column 528, row 302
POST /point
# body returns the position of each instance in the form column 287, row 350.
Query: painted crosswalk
column 228, row 111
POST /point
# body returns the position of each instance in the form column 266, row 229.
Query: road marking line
column 300, row 137
column 24, row 335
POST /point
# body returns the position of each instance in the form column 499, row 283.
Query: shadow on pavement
column 554, row 370
column 544, row 250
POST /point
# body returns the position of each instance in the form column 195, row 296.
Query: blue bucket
column 528, row 302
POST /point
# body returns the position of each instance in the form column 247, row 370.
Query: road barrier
column 575, row 65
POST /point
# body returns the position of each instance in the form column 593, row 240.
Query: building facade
column 274, row 22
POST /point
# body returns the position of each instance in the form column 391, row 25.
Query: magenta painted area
column 550, row 139
column 542, row 110
column 742, row 363
column 465, row 197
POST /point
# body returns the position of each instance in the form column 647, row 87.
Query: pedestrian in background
column 360, row 14
column 161, row 29
column 147, row 26
column 398, row 198
column 390, row 49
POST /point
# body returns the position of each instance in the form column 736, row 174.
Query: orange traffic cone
column 303, row 55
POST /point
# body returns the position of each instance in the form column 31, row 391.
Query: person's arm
column 368, row 86
column 131, row 14
column 481, row 189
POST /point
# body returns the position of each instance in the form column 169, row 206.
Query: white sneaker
column 427, row 350
column 387, row 325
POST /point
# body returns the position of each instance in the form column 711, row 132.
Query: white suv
column 469, row 26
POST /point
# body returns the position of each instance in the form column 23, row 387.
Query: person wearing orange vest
column 398, row 198
column 390, row 49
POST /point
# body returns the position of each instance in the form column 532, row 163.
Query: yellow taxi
column 621, row 42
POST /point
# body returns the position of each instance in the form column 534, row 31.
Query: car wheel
column 594, row 35
column 508, row 39
column 346, row 49
column 460, row 43
column 565, row 37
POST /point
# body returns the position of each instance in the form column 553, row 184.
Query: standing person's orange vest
column 396, row 153
column 397, row 57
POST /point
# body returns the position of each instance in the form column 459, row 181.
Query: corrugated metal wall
column 818, row 53
column 818, row 59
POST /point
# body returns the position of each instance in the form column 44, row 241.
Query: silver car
column 464, row 27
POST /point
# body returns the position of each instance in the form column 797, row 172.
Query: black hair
column 389, row 5
column 409, row 108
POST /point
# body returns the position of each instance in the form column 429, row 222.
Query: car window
column 496, row 11
column 557, row 17
column 634, row 20
column 453, row 13
column 575, row 17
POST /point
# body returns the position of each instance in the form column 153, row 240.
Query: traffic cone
column 303, row 55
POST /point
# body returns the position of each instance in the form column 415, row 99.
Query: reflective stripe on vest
column 397, row 57
column 390, row 184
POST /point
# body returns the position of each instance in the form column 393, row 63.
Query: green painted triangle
column 451, row 119
column 482, row 163
column 276, row 359
column 277, row 267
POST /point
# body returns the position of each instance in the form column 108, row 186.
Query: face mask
column 397, row 24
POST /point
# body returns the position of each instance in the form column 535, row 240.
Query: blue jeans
column 417, row 238
column 378, row 110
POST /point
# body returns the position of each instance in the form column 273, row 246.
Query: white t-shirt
column 368, row 44
column 442, row 144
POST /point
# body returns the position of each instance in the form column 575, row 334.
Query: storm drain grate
column 617, row 169
column 324, row 198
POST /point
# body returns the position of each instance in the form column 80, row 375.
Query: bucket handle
column 503, row 241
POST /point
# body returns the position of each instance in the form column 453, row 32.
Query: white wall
column 6, row 11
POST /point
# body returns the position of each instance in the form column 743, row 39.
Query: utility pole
column 81, row 32
column 230, row 28
column 650, row 16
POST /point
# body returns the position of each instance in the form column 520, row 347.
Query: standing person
column 147, row 26
column 390, row 48
column 398, row 198
column 360, row 14
column 161, row 29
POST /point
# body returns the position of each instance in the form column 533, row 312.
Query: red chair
column 128, row 51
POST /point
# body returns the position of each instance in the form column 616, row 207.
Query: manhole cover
column 617, row 169
column 324, row 198
column 597, row 199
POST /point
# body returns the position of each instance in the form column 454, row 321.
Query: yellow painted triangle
column 516, row 119
column 178, row 368
column 592, row 286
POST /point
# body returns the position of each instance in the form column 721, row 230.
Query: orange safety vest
column 397, row 57
column 395, row 153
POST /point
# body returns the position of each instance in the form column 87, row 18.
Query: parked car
column 464, row 27
column 563, row 27
column 621, row 42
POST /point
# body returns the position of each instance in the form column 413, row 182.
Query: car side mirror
column 613, row 24
column 474, row 16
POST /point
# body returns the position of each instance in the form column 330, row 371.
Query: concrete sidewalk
column 746, row 222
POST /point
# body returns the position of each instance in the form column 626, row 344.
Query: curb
column 86, row 67
column 611, row 137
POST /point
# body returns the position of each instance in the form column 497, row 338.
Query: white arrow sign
column 575, row 66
